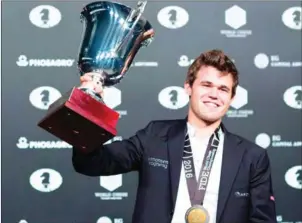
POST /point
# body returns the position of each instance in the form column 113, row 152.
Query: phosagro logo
column 293, row 97
column 45, row 16
column 43, row 97
column 46, row 180
column 24, row 62
column 292, row 18
column 184, row 61
column 24, row 143
column 173, row 97
column 173, row 17
column 293, row 177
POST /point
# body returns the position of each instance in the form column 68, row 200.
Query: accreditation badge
column 197, row 214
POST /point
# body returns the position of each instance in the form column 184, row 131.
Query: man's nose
column 213, row 92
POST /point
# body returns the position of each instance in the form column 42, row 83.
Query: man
column 235, row 185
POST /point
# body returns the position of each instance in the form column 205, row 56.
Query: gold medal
column 197, row 214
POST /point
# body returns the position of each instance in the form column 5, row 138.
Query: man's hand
column 88, row 82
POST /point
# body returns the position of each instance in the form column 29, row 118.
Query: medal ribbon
column 196, row 189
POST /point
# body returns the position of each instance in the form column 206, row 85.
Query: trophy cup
column 113, row 34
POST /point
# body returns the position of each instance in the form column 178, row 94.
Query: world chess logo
column 45, row 16
column 293, row 97
column 235, row 18
column 293, row 177
column 46, row 180
column 173, row 97
column 292, row 18
column 42, row 97
column 173, row 17
column 111, row 184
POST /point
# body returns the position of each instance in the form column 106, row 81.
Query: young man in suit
column 191, row 168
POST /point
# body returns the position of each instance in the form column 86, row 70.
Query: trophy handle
column 140, row 7
column 137, row 12
column 98, row 79
column 147, row 37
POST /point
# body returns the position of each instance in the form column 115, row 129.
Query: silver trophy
column 112, row 35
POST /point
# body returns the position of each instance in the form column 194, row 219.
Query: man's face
column 211, row 94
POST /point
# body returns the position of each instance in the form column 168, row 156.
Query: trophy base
column 80, row 120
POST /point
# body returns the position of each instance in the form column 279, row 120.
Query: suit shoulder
column 164, row 122
column 257, row 156
column 252, row 148
column 160, row 127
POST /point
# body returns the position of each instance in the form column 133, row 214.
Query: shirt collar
column 192, row 131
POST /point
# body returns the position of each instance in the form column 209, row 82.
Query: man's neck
column 203, row 128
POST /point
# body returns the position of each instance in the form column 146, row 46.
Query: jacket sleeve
column 262, row 207
column 110, row 159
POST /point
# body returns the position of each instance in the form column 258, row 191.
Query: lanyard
column 197, row 190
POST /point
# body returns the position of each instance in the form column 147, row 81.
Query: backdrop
column 40, row 41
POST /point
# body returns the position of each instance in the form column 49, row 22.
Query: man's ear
column 232, row 98
column 188, row 88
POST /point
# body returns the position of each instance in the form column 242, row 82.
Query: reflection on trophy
column 113, row 33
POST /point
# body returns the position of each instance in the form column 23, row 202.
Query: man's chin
column 210, row 119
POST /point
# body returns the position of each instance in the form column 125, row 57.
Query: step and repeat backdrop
column 40, row 42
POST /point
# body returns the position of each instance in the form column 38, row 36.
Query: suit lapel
column 232, row 155
column 175, row 140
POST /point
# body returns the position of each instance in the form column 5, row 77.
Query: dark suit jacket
column 245, row 187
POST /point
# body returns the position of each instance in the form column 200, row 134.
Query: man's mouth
column 211, row 104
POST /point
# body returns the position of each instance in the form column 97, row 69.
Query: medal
column 197, row 214
column 197, row 190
